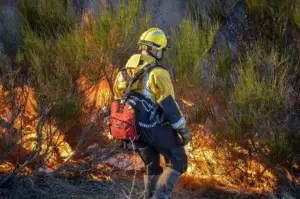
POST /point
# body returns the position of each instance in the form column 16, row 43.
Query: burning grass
column 227, row 167
column 215, row 165
column 33, row 143
column 24, row 124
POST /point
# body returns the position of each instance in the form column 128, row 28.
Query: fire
column 54, row 149
column 211, row 164
column 100, row 177
column 217, row 165
column 95, row 96
column 6, row 167
column 187, row 102
column 208, row 163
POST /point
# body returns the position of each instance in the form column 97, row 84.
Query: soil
column 124, row 185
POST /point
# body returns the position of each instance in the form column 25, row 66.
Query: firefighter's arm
column 161, row 86
column 119, row 86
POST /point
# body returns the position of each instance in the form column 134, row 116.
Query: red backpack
column 123, row 121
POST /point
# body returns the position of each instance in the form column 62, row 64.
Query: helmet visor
column 148, row 43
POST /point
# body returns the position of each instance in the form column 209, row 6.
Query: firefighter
column 157, row 86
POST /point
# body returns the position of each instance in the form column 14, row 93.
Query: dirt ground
column 123, row 186
column 128, row 182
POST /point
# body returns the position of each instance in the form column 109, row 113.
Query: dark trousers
column 175, row 158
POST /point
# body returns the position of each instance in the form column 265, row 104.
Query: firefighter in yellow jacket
column 157, row 86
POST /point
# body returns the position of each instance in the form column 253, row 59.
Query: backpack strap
column 125, row 74
column 131, row 81
column 145, row 70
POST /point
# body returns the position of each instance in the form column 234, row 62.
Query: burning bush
column 244, row 128
column 70, row 68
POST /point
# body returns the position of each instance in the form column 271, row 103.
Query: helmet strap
column 161, row 56
column 148, row 50
column 154, row 56
column 150, row 53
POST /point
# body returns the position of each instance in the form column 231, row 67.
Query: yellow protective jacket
column 155, row 85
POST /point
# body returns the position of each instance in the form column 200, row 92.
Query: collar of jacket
column 137, row 62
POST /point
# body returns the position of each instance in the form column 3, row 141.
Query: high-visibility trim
column 133, row 102
column 148, row 126
column 149, row 43
column 179, row 123
column 146, row 87
column 152, row 114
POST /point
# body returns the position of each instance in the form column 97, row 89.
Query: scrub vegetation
column 257, row 78
column 56, row 50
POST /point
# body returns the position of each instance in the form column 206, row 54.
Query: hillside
column 235, row 69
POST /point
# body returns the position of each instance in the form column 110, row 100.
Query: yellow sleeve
column 119, row 86
column 161, row 86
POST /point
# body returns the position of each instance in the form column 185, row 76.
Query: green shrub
column 281, row 150
column 274, row 21
column 67, row 109
column 115, row 35
column 48, row 18
column 296, row 13
column 117, row 32
column 8, row 75
column 54, row 66
column 258, row 97
column 259, row 6
column 259, row 100
column 73, row 49
column 192, row 41
column 55, row 57
column 222, row 83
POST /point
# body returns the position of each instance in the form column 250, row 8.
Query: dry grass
column 50, row 187
column 62, row 188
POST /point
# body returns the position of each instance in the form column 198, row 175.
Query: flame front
column 54, row 149
column 210, row 164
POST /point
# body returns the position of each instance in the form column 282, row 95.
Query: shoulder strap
column 147, row 69
column 125, row 74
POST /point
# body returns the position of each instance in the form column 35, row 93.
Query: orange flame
column 211, row 164
column 26, row 124
column 207, row 162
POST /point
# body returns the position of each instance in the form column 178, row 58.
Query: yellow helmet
column 155, row 38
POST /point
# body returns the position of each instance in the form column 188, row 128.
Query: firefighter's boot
column 166, row 183
column 150, row 184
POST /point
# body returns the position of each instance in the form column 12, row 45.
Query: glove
column 184, row 135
